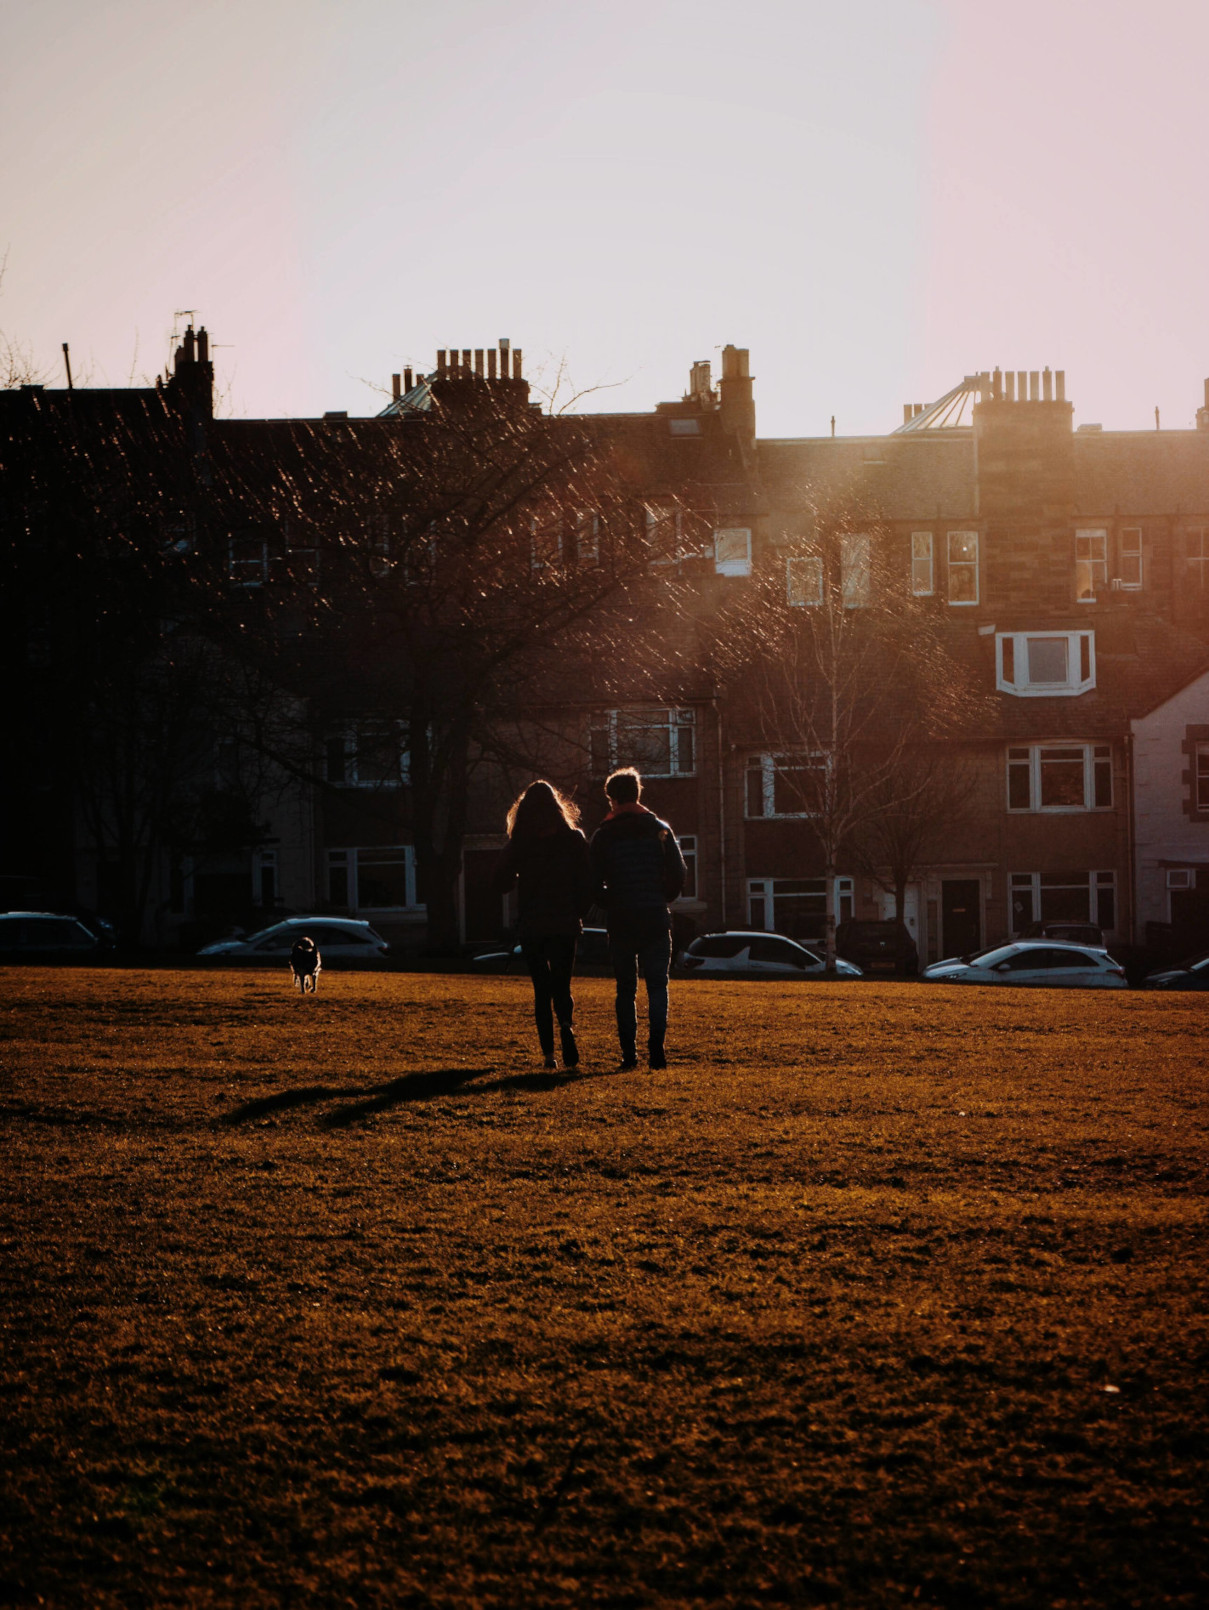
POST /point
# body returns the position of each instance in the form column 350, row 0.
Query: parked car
column 1191, row 973
column 592, row 951
column 1045, row 963
column 342, row 941
column 45, row 936
column 1072, row 933
column 878, row 947
column 742, row 954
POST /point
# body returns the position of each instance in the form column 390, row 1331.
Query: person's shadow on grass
column 409, row 1087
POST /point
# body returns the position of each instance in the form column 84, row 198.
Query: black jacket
column 637, row 866
column 553, row 880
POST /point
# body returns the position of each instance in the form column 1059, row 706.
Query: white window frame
column 804, row 581
column 962, row 566
column 1091, row 564
column 688, row 849
column 762, row 896
column 1098, row 882
column 856, row 569
column 352, row 739
column 546, row 542
column 1012, row 654
column 923, row 564
column 732, row 551
column 587, row 537
column 1096, row 761
column 672, row 719
column 349, row 861
column 1129, row 554
column 248, row 569
column 1196, row 555
column 767, row 763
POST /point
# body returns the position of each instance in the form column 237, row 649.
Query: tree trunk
column 829, row 919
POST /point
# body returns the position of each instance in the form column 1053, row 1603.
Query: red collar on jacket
column 630, row 808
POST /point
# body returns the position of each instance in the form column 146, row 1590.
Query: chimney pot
column 1022, row 385
column 1034, row 385
column 440, row 363
column 1047, row 385
column 491, row 357
column 997, row 384
column 1009, row 385
column 396, row 387
column 203, row 345
column 1060, row 384
column 908, row 412
column 478, row 362
column 465, row 363
column 516, row 363
column 406, row 380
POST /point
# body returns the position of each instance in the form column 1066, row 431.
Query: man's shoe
column 629, row 1059
column 549, row 1061
column 656, row 1058
column 569, row 1048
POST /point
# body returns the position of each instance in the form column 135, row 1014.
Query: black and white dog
column 306, row 964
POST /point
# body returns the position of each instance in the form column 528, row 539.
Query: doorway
column 960, row 915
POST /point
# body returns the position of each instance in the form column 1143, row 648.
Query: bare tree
column 926, row 796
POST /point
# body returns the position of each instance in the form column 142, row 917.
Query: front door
column 960, row 916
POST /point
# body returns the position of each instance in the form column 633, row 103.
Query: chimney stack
column 737, row 407
column 440, row 363
column 396, row 387
column 516, row 363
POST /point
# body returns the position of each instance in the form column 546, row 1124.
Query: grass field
column 883, row 1294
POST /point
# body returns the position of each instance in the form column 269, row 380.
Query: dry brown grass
column 337, row 1301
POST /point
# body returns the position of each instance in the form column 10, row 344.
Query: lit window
column 587, row 537
column 1091, row 565
column 856, row 587
column 1063, row 897
column 783, row 784
column 804, row 582
column 248, row 560
column 921, row 564
column 546, row 542
column 674, row 533
column 1045, row 664
column 963, row 567
column 1059, row 777
column 1196, row 550
column 660, row 742
column 1130, row 557
column 732, row 552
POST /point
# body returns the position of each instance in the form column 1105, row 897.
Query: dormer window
column 1045, row 664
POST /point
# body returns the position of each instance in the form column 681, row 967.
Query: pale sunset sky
column 876, row 197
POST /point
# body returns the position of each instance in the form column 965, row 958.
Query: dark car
column 591, row 951
column 1071, row 933
column 878, row 947
column 1191, row 973
column 45, row 936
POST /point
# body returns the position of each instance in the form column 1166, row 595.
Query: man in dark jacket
column 638, row 870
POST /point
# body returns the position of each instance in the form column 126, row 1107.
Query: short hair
column 623, row 787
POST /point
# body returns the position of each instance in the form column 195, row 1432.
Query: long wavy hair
column 540, row 811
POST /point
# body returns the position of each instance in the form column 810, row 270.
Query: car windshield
column 264, row 933
column 988, row 958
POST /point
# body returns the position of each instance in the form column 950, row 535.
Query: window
column 660, row 742
column 381, row 545
column 1129, row 555
column 664, row 528
column 804, row 581
column 587, row 537
column 545, row 542
column 732, row 551
column 1200, row 780
column 1196, row 550
column 369, row 755
column 372, row 879
column 248, row 560
column 1059, row 777
column 783, row 784
column 1045, row 664
column 264, row 878
column 963, row 567
column 302, row 557
column 1063, row 897
column 684, row 427
column 688, row 849
column 1091, row 565
column 856, row 582
column 921, row 564
column 796, row 906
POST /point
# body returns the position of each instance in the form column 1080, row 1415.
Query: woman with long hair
column 546, row 860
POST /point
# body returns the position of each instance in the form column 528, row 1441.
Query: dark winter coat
column 553, row 879
column 638, row 868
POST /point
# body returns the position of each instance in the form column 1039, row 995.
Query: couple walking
column 632, row 868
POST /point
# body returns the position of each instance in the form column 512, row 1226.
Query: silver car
column 755, row 954
column 1044, row 963
column 342, row 942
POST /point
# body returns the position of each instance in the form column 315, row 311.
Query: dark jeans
column 641, row 947
column 551, row 961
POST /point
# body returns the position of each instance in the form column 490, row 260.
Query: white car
column 756, row 954
column 1044, row 963
column 342, row 942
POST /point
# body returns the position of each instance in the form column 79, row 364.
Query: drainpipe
column 1131, row 841
column 721, row 806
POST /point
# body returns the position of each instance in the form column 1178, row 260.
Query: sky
column 876, row 198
